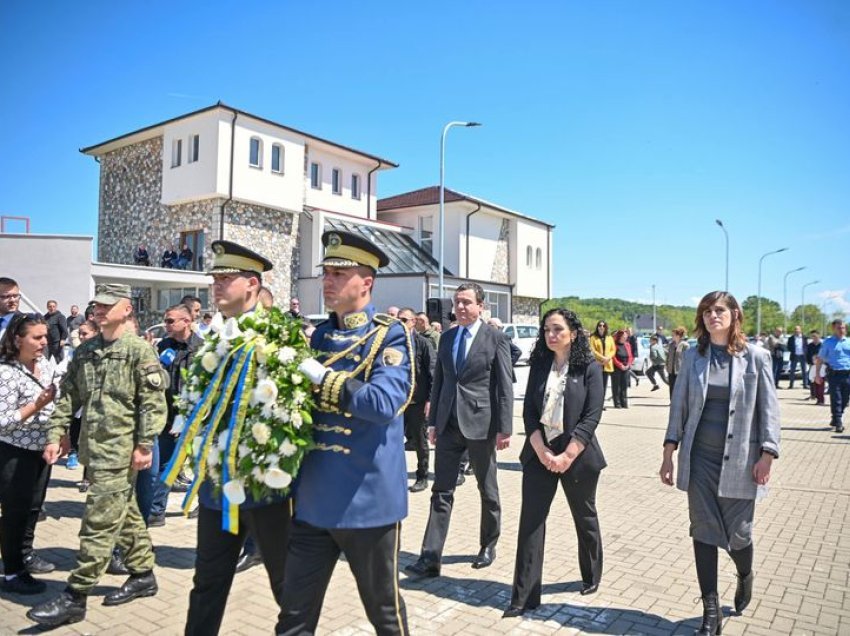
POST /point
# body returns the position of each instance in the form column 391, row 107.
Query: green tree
column 771, row 315
column 813, row 317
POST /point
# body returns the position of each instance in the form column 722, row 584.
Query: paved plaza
column 802, row 583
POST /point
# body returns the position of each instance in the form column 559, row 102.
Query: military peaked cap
column 344, row 249
column 230, row 257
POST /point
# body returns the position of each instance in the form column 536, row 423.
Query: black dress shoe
column 469, row 470
column 156, row 521
column 513, row 612
column 137, row 586
column 419, row 486
column 36, row 565
column 743, row 592
column 24, row 584
column 485, row 558
column 68, row 607
column 423, row 568
column 589, row 588
column 247, row 560
column 116, row 564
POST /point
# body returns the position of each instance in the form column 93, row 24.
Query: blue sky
column 630, row 125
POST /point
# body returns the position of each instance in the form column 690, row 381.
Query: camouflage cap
column 111, row 293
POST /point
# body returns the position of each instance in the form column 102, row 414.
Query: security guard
column 352, row 491
column 237, row 279
column 117, row 380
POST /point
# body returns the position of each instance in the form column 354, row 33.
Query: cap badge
column 334, row 240
column 218, row 249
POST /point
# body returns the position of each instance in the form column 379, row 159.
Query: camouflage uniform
column 121, row 389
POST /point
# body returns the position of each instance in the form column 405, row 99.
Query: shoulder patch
column 384, row 319
column 392, row 357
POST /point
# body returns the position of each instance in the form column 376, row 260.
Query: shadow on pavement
column 173, row 557
column 587, row 618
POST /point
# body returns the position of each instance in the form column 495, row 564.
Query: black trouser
column 659, row 369
column 482, row 456
column 620, row 387
column 671, row 382
column 372, row 555
column 538, row 490
column 415, row 430
column 792, row 370
column 217, row 554
column 777, row 370
column 23, row 484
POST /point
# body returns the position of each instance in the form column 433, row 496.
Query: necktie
column 460, row 358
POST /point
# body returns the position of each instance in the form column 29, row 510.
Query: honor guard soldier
column 237, row 279
column 117, row 380
column 352, row 488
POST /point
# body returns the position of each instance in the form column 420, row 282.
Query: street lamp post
column 758, row 298
column 451, row 124
column 785, row 297
column 654, row 311
column 803, row 304
column 726, row 234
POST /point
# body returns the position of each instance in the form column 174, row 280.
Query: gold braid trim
column 341, row 354
column 336, row 448
column 331, row 429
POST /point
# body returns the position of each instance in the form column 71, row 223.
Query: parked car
column 157, row 333
column 524, row 337
column 641, row 363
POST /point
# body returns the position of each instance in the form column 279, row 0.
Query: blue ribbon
column 230, row 521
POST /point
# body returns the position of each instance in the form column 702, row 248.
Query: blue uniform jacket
column 356, row 477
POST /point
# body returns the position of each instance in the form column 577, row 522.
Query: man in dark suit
column 471, row 409
column 797, row 344
column 10, row 299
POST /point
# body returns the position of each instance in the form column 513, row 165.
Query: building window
column 255, row 157
column 336, row 181
column 426, row 233
column 194, row 239
column 315, row 176
column 172, row 296
column 277, row 158
column 528, row 256
column 355, row 186
column 538, row 258
column 176, row 152
column 194, row 148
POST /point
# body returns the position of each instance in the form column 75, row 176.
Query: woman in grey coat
column 724, row 419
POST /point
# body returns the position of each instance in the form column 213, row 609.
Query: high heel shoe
column 712, row 617
column 744, row 592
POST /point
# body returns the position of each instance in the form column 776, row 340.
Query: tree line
column 619, row 313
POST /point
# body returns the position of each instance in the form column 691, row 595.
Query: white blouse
column 19, row 388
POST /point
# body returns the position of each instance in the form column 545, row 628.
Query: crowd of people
column 170, row 258
column 87, row 387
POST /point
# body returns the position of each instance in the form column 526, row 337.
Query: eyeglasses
column 404, row 319
column 171, row 321
column 10, row 297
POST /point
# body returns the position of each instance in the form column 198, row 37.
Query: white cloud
column 835, row 299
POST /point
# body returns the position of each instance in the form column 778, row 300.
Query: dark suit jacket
column 424, row 360
column 482, row 397
column 791, row 346
column 582, row 410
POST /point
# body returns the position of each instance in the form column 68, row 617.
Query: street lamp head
column 719, row 222
column 471, row 124
column 782, row 249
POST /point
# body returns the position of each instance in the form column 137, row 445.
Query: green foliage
column 813, row 318
column 771, row 315
column 620, row 313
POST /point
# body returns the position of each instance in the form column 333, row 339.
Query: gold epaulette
column 384, row 319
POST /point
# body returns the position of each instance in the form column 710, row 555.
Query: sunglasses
column 171, row 321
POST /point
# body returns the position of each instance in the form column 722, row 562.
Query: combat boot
column 68, row 607
column 137, row 586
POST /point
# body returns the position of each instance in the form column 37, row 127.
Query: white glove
column 313, row 369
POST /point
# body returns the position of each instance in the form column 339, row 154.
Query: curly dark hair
column 18, row 326
column 580, row 354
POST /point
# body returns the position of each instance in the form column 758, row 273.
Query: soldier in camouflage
column 117, row 380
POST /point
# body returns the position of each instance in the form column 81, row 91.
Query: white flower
column 296, row 419
column 265, row 391
column 222, row 348
column 277, row 478
column 184, row 394
column 249, row 334
column 280, row 413
column 287, row 448
column 258, row 473
column 194, row 396
column 217, row 322
column 209, row 361
column 273, row 460
column 298, row 396
column 262, row 374
column 231, row 330
column 260, row 355
column 297, row 378
column 234, row 491
column 222, row 440
column 286, row 355
column 213, row 458
column 244, row 450
column 178, row 425
column 268, row 410
column 261, row 432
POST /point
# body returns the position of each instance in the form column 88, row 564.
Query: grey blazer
column 482, row 398
column 753, row 417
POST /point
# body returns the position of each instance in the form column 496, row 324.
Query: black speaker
column 440, row 310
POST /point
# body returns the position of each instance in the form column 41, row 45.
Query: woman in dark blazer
column 724, row 420
column 563, row 403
